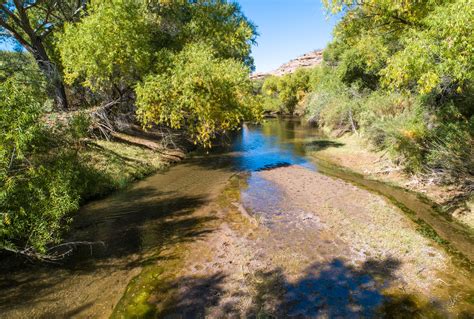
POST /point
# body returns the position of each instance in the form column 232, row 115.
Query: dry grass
column 357, row 156
column 115, row 165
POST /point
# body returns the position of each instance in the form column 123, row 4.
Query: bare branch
column 51, row 256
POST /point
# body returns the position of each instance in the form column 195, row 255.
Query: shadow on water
column 332, row 289
column 144, row 219
column 128, row 223
column 320, row 145
column 193, row 295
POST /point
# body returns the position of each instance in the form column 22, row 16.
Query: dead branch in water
column 51, row 256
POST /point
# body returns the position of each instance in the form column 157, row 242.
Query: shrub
column 450, row 158
column 404, row 136
column 203, row 94
column 271, row 104
column 36, row 189
column 270, row 86
column 438, row 58
column 362, row 63
column 330, row 104
column 291, row 89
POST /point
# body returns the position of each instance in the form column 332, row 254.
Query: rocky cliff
column 307, row 60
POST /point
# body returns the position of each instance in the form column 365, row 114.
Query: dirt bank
column 130, row 229
column 351, row 152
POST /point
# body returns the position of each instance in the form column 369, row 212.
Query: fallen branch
column 50, row 256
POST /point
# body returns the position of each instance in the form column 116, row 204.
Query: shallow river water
column 257, row 228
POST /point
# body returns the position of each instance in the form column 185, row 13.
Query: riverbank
column 289, row 241
column 119, row 163
column 351, row 152
column 101, row 168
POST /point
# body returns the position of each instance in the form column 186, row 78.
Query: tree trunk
column 60, row 94
column 21, row 21
column 50, row 71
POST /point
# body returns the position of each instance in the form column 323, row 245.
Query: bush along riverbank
column 408, row 96
column 66, row 168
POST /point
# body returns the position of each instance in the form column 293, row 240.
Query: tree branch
column 11, row 15
column 34, row 4
column 25, row 21
column 16, row 35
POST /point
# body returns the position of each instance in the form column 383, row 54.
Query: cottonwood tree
column 31, row 23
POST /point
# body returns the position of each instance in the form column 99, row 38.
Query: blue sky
column 287, row 28
column 4, row 46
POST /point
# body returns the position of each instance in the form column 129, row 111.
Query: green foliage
column 439, row 58
column 270, row 86
column 31, row 25
column 121, row 42
column 404, row 136
column 329, row 103
column 451, row 153
column 381, row 106
column 222, row 26
column 201, row 93
column 219, row 24
column 116, row 43
column 110, row 48
column 46, row 170
column 404, row 71
column 271, row 104
column 386, row 14
column 290, row 89
column 257, row 86
column 35, row 189
column 361, row 63
column 19, row 65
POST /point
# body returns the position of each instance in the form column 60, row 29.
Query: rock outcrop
column 307, row 60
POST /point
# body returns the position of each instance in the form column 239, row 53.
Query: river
column 258, row 227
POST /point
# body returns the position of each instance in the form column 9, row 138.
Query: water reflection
column 273, row 144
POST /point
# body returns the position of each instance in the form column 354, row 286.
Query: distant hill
column 307, row 60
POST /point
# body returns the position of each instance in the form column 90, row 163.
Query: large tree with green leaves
column 31, row 23
column 120, row 41
column 110, row 49
column 200, row 92
column 220, row 24
column 179, row 49
column 407, row 68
